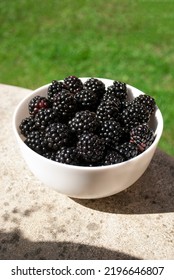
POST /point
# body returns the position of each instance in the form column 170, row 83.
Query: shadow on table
column 152, row 193
column 13, row 246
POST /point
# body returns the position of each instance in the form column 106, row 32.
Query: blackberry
column 147, row 101
column 112, row 98
column 128, row 150
column 113, row 157
column 35, row 141
column 90, row 147
column 86, row 99
column 117, row 92
column 95, row 85
column 64, row 104
column 142, row 136
column 56, row 136
column 37, row 103
column 111, row 132
column 73, row 84
column 83, row 122
column 67, row 155
column 120, row 86
column 27, row 125
column 134, row 115
column 107, row 110
column 44, row 117
column 54, row 88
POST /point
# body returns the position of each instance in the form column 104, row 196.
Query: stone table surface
column 39, row 223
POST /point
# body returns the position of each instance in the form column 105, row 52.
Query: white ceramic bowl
column 86, row 182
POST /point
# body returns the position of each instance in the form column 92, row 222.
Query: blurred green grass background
column 126, row 40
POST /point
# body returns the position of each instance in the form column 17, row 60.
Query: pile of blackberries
column 87, row 124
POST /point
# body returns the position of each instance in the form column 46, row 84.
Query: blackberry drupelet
column 90, row 147
column 111, row 132
column 73, row 84
column 49, row 155
column 86, row 99
column 107, row 110
column 112, row 157
column 95, row 85
column 142, row 136
column 35, row 141
column 56, row 136
column 54, row 88
column 27, row 125
column 64, row 105
column 44, row 117
column 128, row 150
column 37, row 103
column 134, row 115
column 83, row 122
column 67, row 155
column 147, row 101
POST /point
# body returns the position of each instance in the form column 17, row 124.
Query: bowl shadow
column 13, row 246
column 152, row 193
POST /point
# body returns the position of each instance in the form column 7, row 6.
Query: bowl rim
column 158, row 132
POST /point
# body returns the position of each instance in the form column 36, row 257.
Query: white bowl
column 86, row 182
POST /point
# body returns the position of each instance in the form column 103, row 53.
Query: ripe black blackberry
column 37, row 103
column 111, row 132
column 54, row 88
column 27, row 125
column 128, row 150
column 117, row 90
column 35, row 141
column 44, row 117
column 73, row 84
column 134, row 115
column 56, row 136
column 95, row 85
column 83, row 122
column 120, row 86
column 86, row 99
column 147, row 101
column 112, row 157
column 142, row 136
column 64, row 105
column 90, row 147
column 67, row 155
column 107, row 110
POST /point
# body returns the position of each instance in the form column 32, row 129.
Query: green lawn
column 131, row 41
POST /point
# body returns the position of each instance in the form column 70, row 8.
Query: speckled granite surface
column 38, row 223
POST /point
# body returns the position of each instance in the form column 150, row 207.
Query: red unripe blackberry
column 37, row 103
